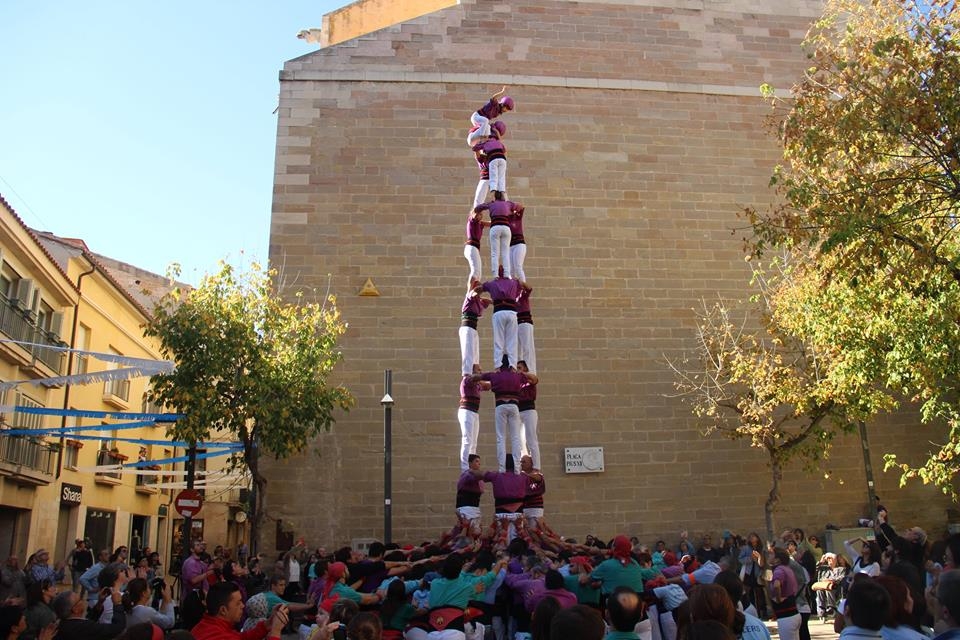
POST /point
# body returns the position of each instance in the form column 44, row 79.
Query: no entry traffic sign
column 188, row 503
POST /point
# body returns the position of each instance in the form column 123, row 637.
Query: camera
column 156, row 586
column 340, row 633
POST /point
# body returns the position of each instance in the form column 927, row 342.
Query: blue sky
column 147, row 128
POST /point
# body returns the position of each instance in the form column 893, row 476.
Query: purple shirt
column 505, row 384
column 491, row 110
column 523, row 307
column 469, row 394
column 500, row 210
column 481, row 161
column 470, row 482
column 474, row 305
column 527, row 588
column 564, row 597
column 515, row 222
column 474, row 229
column 788, row 581
column 192, row 567
column 508, row 487
column 504, row 292
column 490, row 150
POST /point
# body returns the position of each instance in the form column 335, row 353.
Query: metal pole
column 868, row 469
column 188, row 522
column 387, row 403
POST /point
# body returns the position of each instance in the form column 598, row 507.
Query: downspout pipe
column 70, row 355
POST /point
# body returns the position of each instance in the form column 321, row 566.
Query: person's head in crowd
column 708, row 630
column 199, row 547
column 278, row 584
column 867, row 604
column 364, row 626
column 376, row 550
column 343, row 611
column 660, row 546
column 343, row 554
column 798, row 535
column 103, row 557
column 779, row 556
column 951, row 554
column 712, row 602
column 731, row 583
column 792, row 548
column 829, row 559
column 41, row 591
column 814, row 542
column 396, row 597
column 580, row 564
column 337, row 572
column 12, row 622
column 483, row 561
column 901, row 602
column 119, row 554
column 394, row 556
column 225, row 601
column 869, row 553
column 142, row 631
column 68, row 604
column 624, row 609
column 108, row 576
column 948, row 599
column 452, row 566
column 578, row 622
column 553, row 579
column 137, row 590
column 542, row 618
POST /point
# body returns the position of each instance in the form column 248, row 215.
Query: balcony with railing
column 117, row 393
column 28, row 460
column 148, row 483
column 20, row 325
column 107, row 457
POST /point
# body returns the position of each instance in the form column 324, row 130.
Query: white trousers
column 505, row 338
column 483, row 190
column 507, row 420
column 498, row 175
column 483, row 131
column 500, row 250
column 527, row 349
column 420, row 634
column 469, row 349
column 529, row 419
column 472, row 254
column 518, row 254
column 509, row 521
column 789, row 628
column 469, row 432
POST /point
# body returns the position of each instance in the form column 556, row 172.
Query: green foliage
column 250, row 365
column 870, row 181
column 759, row 378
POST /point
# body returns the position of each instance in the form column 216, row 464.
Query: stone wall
column 639, row 134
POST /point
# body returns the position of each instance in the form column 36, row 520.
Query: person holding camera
column 136, row 602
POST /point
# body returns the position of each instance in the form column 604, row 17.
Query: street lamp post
column 387, row 403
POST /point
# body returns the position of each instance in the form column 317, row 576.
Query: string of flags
column 130, row 368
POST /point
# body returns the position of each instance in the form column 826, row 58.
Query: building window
column 26, row 420
column 81, row 361
column 116, row 388
column 71, row 454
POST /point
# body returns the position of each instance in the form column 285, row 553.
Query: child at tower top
column 481, row 118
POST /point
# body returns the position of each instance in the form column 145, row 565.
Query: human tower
column 513, row 377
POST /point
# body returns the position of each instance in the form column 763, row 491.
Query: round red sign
column 188, row 503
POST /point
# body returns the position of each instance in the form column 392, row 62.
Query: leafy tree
column 250, row 366
column 870, row 181
column 753, row 378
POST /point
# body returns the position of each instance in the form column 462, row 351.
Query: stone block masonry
column 639, row 134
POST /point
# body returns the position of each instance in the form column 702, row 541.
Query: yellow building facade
column 54, row 291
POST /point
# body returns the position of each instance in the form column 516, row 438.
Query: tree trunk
column 773, row 499
column 259, row 488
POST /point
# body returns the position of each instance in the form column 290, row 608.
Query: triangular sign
column 369, row 289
